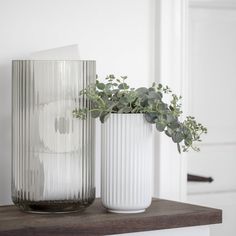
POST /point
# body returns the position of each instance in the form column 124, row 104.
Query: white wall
column 118, row 34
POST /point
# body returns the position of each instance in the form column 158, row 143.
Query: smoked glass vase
column 52, row 152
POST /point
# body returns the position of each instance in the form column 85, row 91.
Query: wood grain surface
column 162, row 214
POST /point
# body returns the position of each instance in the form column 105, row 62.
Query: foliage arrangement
column 116, row 96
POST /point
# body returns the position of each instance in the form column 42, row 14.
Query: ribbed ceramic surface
column 126, row 163
column 52, row 152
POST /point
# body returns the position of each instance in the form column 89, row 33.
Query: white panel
column 224, row 201
column 212, row 96
column 217, row 162
column 213, row 101
column 213, row 71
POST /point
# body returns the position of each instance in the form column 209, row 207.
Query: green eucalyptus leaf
column 177, row 137
column 160, row 126
column 169, row 132
column 174, row 125
column 103, row 116
column 114, row 91
column 162, row 107
column 108, row 87
column 95, row 113
column 151, row 89
column 186, row 131
column 124, row 110
column 123, row 86
column 178, row 147
column 153, row 95
column 159, row 95
column 124, row 100
column 151, row 102
column 141, row 91
column 170, row 118
column 100, row 86
column 144, row 102
column 120, row 105
column 112, row 76
column 150, row 117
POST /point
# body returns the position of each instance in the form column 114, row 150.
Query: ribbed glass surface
column 52, row 152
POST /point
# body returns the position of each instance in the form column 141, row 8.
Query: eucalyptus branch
column 116, row 96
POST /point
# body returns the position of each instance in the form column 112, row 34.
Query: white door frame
column 172, row 70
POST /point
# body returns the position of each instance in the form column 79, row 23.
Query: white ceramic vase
column 126, row 163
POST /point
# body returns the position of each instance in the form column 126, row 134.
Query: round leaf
column 160, row 126
column 100, row 86
column 177, row 137
column 150, row 117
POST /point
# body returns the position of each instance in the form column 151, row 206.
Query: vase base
column 56, row 206
column 53, row 212
column 126, row 212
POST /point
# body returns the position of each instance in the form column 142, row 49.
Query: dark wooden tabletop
column 95, row 220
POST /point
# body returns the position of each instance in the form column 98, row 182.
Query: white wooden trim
column 171, row 70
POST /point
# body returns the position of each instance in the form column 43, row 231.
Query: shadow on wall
column 5, row 132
